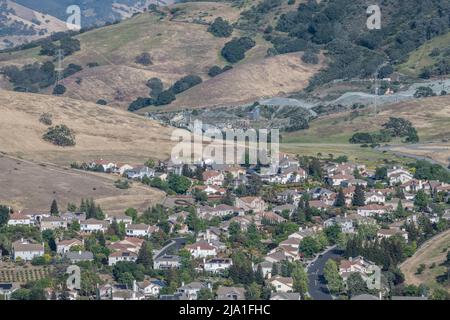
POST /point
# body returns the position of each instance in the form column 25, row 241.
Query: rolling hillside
column 179, row 44
column 246, row 83
column 427, row 55
column 20, row 24
column 30, row 185
column 429, row 116
column 100, row 132
column 93, row 12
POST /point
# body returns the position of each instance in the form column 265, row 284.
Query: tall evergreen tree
column 259, row 276
column 54, row 211
column 340, row 199
column 359, row 198
column 145, row 256
column 400, row 211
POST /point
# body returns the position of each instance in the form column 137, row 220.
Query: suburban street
column 317, row 288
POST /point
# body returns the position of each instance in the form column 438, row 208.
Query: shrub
column 59, row 89
column 102, row 102
column 144, row 59
column 71, row 69
column 164, row 98
column 310, row 57
column 185, row 83
column 423, row 92
column 235, row 50
column 220, row 28
column 46, row 118
column 69, row 45
column 370, row 138
column 140, row 103
column 214, row 71
column 156, row 86
column 60, row 135
column 122, row 184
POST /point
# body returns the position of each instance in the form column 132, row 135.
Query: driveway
column 317, row 287
column 175, row 244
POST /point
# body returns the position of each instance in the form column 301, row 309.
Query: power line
column 59, row 69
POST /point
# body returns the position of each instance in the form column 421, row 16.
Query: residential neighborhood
column 213, row 238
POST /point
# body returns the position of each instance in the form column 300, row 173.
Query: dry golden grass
column 430, row 116
column 247, row 82
column 101, row 132
column 179, row 46
column 29, row 185
column 42, row 23
column 206, row 11
column 434, row 251
column 118, row 85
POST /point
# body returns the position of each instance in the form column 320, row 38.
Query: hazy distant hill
column 94, row 12
column 19, row 24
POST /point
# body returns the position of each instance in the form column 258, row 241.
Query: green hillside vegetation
column 431, row 58
column 339, row 26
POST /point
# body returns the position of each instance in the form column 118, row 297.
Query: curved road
column 178, row 243
column 317, row 288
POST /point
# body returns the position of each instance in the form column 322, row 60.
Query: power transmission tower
column 377, row 88
column 59, row 69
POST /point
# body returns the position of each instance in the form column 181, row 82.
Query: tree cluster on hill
column 426, row 170
column 234, row 51
column 220, row 28
column 395, row 127
column 216, row 70
column 370, row 138
column 60, row 135
column 161, row 97
column 67, row 44
column 423, row 92
column 253, row 18
column 185, row 83
column 331, row 25
column 399, row 127
column 34, row 77
column 442, row 65
column 91, row 209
